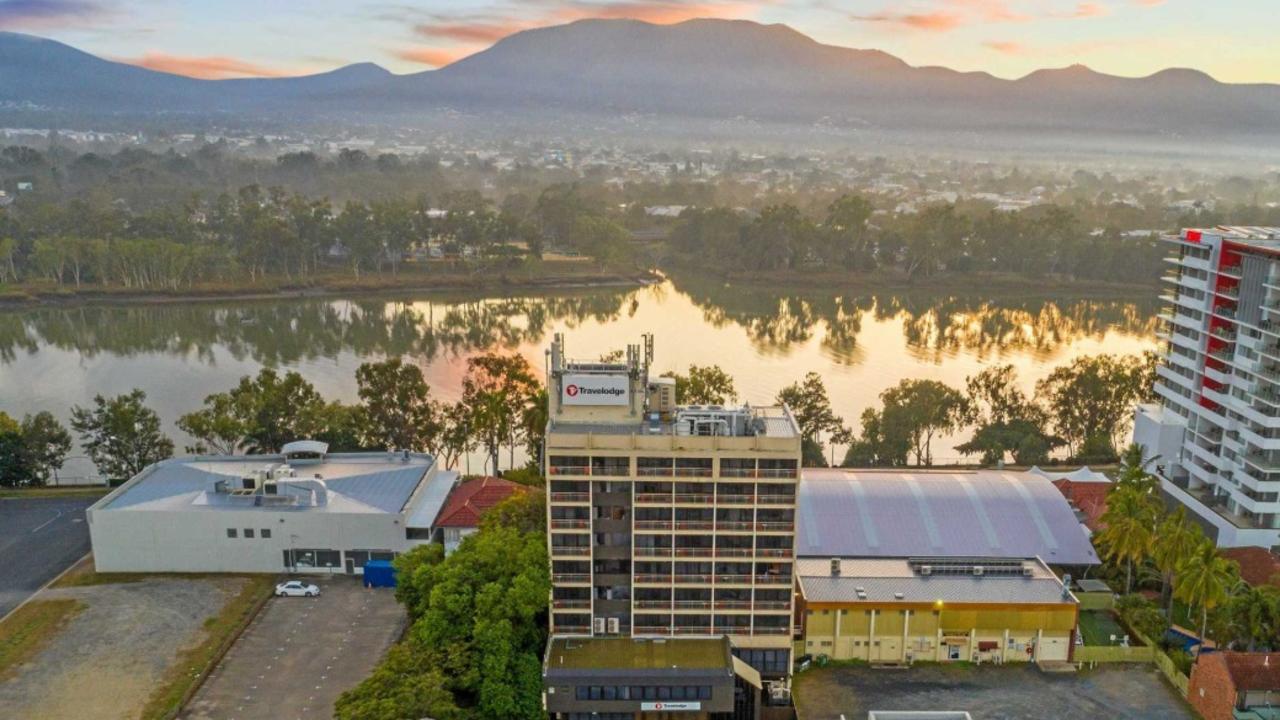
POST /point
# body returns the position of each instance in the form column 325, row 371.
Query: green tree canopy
column 121, row 434
column 703, row 385
column 811, row 408
column 398, row 412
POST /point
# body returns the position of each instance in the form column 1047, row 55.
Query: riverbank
column 989, row 284
column 549, row 276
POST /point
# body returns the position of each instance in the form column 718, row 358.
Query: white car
column 296, row 588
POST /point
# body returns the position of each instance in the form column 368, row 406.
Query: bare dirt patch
column 106, row 662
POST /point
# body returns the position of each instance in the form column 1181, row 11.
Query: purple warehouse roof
column 868, row 513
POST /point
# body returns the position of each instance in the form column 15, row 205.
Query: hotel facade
column 666, row 524
column 1215, row 432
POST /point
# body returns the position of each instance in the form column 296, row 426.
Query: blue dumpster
column 379, row 573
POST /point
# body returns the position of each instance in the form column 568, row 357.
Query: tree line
column 502, row 407
column 1083, row 406
column 259, row 232
column 939, row 238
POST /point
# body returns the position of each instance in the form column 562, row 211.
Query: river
column 861, row 343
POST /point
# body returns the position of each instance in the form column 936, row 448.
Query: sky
column 1232, row 40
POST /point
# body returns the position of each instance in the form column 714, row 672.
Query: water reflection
column 285, row 332
column 933, row 326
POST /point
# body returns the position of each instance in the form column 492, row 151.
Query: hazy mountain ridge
column 696, row 69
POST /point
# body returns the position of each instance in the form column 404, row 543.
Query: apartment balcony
column 571, row 629
column 571, row 552
column 775, row 499
column 1262, row 462
column 734, row 552
column 773, row 605
column 694, row 498
column 692, row 579
column 771, row 631
column 728, row 579
column 563, row 524
column 652, row 579
column 774, row 552
column 1235, row 271
column 570, row 470
column 699, row 630
column 775, row 527
column 733, row 526
column 734, row 499
column 703, row 525
column 654, row 498
column 571, row 578
column 571, row 604
column 652, row 630
column 692, row 604
column 773, row 579
column 571, row 497
column 733, row 605
column 737, row 472
column 649, row 552
column 643, row 525
column 695, row 552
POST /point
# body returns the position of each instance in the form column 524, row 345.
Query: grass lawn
column 1097, row 627
column 30, row 628
column 194, row 663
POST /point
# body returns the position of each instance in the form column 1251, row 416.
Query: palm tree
column 1175, row 540
column 1255, row 614
column 1133, row 472
column 1205, row 577
column 1130, row 519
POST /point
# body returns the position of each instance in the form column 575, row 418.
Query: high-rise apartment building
column 1215, row 432
column 667, row 525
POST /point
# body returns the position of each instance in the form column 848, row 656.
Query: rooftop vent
column 305, row 452
column 835, row 567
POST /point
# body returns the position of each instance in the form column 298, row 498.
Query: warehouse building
column 897, row 567
column 304, row 510
column 935, row 609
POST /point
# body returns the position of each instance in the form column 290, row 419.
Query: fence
column 1096, row 600
column 1113, row 654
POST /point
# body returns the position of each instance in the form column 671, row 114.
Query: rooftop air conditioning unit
column 835, row 567
column 1027, row 571
column 977, row 571
column 926, row 569
column 598, row 626
column 613, row 626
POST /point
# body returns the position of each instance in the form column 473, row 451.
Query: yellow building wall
column 899, row 637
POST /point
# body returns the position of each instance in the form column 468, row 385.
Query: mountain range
column 699, row 69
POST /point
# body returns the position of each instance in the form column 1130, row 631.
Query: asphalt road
column 39, row 538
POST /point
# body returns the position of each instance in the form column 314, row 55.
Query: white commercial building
column 1215, row 432
column 304, row 510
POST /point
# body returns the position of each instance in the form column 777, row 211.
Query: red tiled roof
column 1089, row 498
column 1258, row 566
column 1249, row 671
column 470, row 499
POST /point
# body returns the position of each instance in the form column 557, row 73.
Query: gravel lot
column 1132, row 692
column 105, row 664
column 300, row 654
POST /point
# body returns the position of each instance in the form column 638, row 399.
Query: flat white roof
column 373, row 482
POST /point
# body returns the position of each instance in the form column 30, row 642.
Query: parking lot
column 1132, row 692
column 39, row 538
column 300, row 654
column 107, row 662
